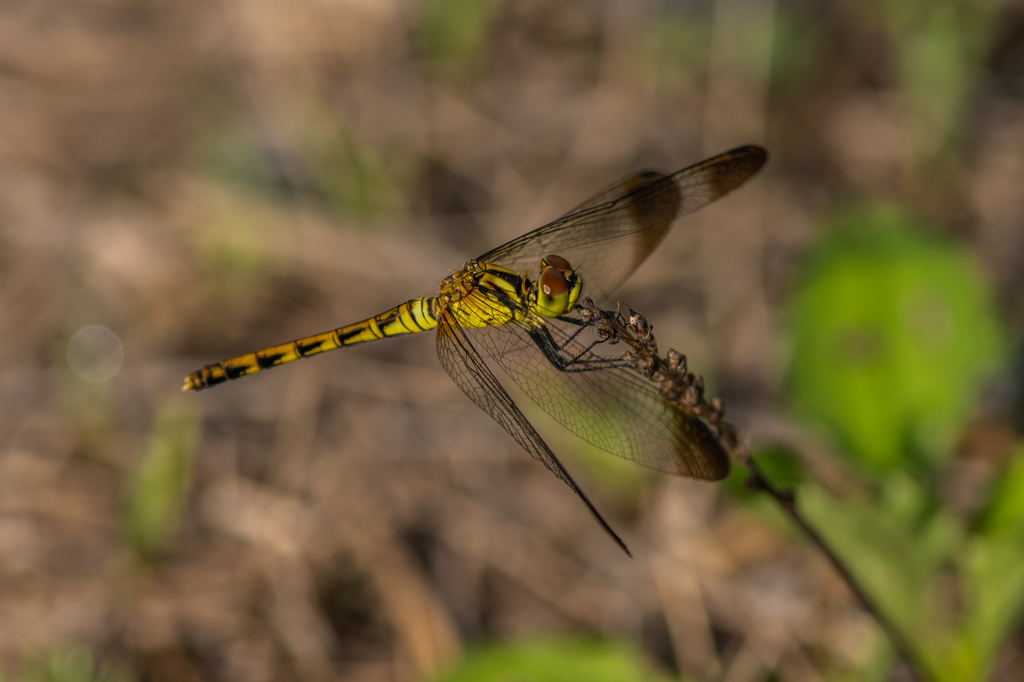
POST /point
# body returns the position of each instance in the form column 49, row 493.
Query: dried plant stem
column 687, row 390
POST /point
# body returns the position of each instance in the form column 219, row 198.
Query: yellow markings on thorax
column 484, row 295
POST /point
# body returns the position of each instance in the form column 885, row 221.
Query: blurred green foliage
column 68, row 664
column 349, row 171
column 897, row 542
column 233, row 154
column 800, row 47
column 553, row 659
column 326, row 160
column 160, row 481
column 232, row 248
column 89, row 409
column 1005, row 507
column 993, row 564
column 784, row 470
column 955, row 591
column 677, row 47
column 781, row 466
column 893, row 331
column 938, row 47
column 454, row 36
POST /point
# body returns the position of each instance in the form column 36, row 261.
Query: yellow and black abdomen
column 410, row 317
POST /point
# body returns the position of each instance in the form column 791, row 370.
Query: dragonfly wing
column 615, row 409
column 469, row 371
column 608, row 236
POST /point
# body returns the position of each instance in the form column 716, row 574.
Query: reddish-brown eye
column 559, row 262
column 553, row 282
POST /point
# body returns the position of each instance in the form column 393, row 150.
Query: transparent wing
column 615, row 409
column 469, row 371
column 608, row 236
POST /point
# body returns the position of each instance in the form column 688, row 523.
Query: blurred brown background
column 206, row 179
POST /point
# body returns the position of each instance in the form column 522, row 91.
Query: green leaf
column 68, row 664
column 160, row 482
column 780, row 465
column 993, row 591
column 896, row 544
column 893, row 331
column 992, row 570
column 1004, row 512
column 912, row 556
column 553, row 659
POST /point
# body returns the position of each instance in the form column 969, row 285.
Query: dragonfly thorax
column 484, row 294
column 476, row 276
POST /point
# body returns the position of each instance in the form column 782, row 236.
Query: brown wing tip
column 721, row 465
column 711, row 464
column 751, row 151
column 738, row 165
column 701, row 452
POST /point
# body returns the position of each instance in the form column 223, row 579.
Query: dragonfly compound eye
column 552, row 293
column 555, row 262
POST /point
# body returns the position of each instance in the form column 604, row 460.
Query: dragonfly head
column 558, row 287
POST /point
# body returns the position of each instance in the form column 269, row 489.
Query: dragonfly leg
column 553, row 352
column 600, row 363
column 581, row 325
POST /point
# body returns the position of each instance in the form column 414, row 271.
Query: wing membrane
column 468, row 370
column 608, row 236
column 614, row 409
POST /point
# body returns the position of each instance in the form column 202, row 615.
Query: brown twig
column 686, row 389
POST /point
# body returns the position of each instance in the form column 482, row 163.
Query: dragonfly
column 512, row 310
